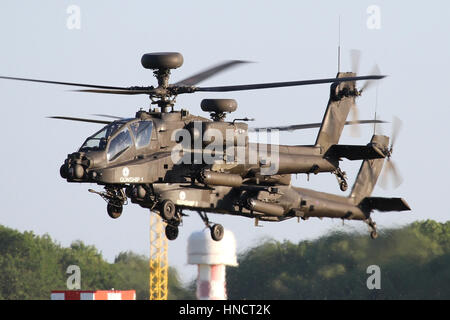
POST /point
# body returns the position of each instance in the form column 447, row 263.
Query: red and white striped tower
column 212, row 257
column 93, row 295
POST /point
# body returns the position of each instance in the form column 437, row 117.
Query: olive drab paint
column 168, row 160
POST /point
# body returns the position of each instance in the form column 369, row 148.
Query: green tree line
column 414, row 263
column 32, row 266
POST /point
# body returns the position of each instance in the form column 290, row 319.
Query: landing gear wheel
column 342, row 179
column 168, row 210
column 372, row 228
column 114, row 211
column 217, row 232
column 171, row 232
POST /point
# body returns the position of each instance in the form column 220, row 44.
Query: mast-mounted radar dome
column 162, row 60
column 161, row 63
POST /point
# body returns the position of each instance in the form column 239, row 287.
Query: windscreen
column 142, row 132
column 119, row 144
column 97, row 141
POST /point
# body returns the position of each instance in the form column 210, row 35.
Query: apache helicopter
column 168, row 161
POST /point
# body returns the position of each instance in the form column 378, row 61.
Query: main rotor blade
column 119, row 91
column 284, row 84
column 80, row 119
column 205, row 74
column 108, row 116
column 313, row 125
column 65, row 83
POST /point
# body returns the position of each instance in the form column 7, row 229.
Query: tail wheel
column 372, row 228
column 168, row 210
column 171, row 232
column 217, row 232
column 344, row 186
column 114, row 211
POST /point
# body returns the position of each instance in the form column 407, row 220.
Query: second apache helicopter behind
column 168, row 160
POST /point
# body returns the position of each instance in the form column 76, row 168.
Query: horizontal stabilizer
column 367, row 152
column 385, row 204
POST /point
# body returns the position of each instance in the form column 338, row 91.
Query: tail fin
column 367, row 179
column 369, row 172
column 342, row 98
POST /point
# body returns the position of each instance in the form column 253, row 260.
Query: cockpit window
column 119, row 144
column 98, row 141
column 142, row 131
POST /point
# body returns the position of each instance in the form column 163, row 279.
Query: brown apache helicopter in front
column 169, row 161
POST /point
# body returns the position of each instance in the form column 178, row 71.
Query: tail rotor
column 355, row 58
column 390, row 170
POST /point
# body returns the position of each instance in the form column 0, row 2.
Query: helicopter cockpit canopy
column 97, row 141
column 120, row 137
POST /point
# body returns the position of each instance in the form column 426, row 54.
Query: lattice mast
column 159, row 262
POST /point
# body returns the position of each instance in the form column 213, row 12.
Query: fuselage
column 174, row 147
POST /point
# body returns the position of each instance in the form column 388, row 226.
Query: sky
column 287, row 40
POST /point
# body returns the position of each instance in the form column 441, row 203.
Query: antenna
column 339, row 46
column 376, row 107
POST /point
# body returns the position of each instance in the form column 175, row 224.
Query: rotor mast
column 161, row 63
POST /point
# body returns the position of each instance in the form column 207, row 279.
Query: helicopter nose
column 74, row 168
column 64, row 171
column 75, row 172
column 78, row 171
